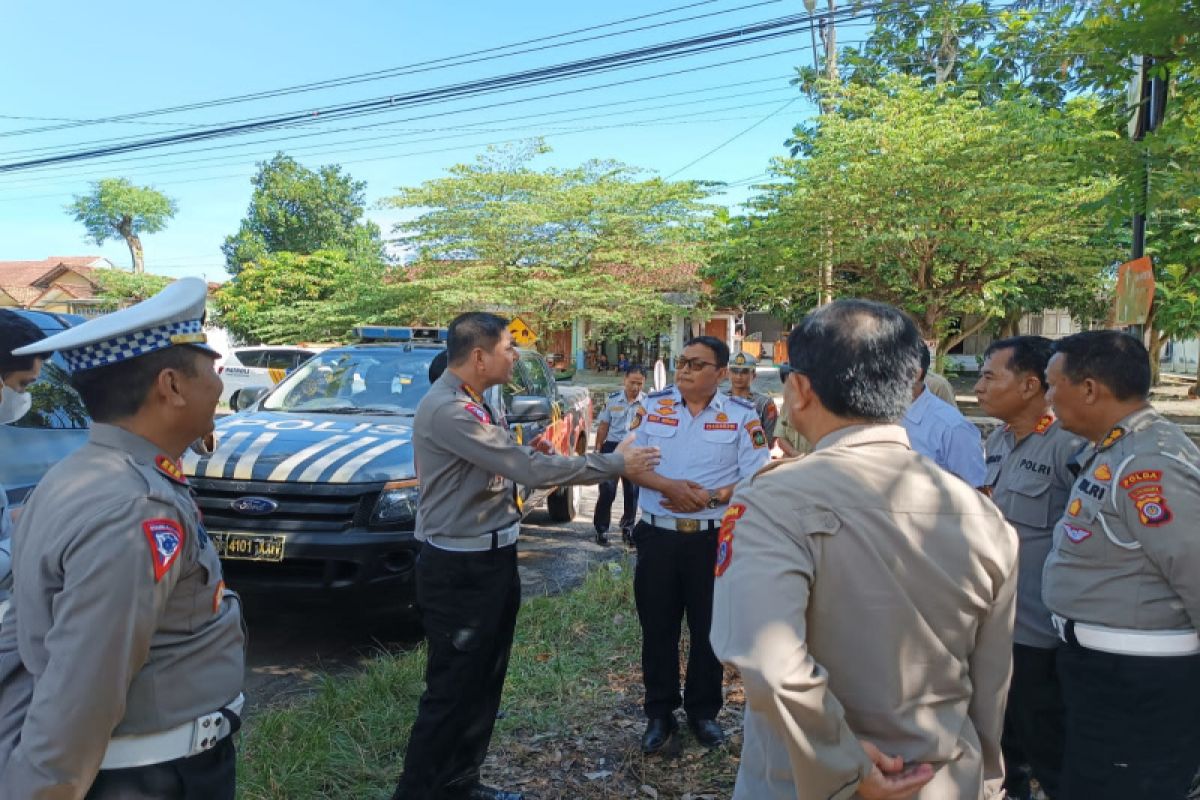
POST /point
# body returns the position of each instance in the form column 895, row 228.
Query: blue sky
column 82, row 61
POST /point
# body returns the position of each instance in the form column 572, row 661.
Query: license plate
column 249, row 546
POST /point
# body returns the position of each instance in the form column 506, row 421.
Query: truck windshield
column 375, row 380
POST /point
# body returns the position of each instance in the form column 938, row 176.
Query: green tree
column 290, row 297
column 296, row 210
column 119, row 288
column 599, row 240
column 115, row 207
column 1167, row 32
column 1178, row 301
column 935, row 202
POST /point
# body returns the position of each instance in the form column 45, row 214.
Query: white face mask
column 13, row 404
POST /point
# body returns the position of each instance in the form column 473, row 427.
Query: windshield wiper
column 385, row 412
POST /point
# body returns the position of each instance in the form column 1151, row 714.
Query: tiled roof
column 26, row 281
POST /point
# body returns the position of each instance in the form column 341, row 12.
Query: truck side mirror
column 528, row 408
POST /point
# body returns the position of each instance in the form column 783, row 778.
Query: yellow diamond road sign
column 522, row 334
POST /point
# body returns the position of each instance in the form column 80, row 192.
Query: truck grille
column 330, row 508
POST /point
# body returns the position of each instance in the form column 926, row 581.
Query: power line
column 732, row 139
column 742, row 36
column 589, row 107
column 446, row 61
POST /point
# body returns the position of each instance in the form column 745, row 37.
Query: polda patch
column 1153, row 511
column 725, row 537
column 166, row 539
column 1141, row 476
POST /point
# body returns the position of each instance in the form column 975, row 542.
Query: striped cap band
column 132, row 345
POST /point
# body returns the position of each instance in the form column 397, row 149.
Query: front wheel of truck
column 563, row 503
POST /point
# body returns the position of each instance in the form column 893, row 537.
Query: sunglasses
column 692, row 364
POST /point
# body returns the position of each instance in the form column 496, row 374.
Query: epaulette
column 741, row 401
column 662, row 392
column 617, row 393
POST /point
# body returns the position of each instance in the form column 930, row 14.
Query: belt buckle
column 207, row 731
column 687, row 525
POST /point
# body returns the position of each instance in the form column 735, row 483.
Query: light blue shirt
column 723, row 444
column 939, row 431
column 617, row 411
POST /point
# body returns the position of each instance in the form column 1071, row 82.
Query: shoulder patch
column 637, row 418
column 169, row 468
column 479, row 414
column 1152, row 507
column 166, row 539
column 725, row 537
column 758, row 437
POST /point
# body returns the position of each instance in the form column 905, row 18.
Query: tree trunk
column 1155, row 344
column 1194, row 392
column 125, row 228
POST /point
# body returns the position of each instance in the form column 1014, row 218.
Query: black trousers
column 1034, row 722
column 211, row 775
column 468, row 605
column 1133, row 725
column 674, row 576
column 608, row 493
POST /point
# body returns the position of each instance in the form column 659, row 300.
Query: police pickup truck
column 312, row 485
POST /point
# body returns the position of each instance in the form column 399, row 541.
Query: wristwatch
column 713, row 500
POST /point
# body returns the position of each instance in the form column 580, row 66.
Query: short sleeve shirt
column 939, row 431
column 617, row 411
column 722, row 445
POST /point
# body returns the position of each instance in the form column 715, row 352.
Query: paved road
column 291, row 648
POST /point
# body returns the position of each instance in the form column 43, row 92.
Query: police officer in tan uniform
column 1030, row 468
column 468, row 587
column 743, row 368
column 865, row 594
column 121, row 659
column 1123, row 580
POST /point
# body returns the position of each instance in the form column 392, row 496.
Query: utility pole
column 1152, row 103
column 829, row 35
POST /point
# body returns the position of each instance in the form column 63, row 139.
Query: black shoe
column 602, row 538
column 627, row 537
column 481, row 792
column 658, row 733
column 707, row 732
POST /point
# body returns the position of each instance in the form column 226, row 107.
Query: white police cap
column 743, row 361
column 174, row 316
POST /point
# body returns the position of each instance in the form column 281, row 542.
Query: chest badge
column 1075, row 507
column 1102, row 473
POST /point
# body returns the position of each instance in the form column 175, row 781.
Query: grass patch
column 570, row 726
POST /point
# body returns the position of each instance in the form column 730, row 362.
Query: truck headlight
column 397, row 504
